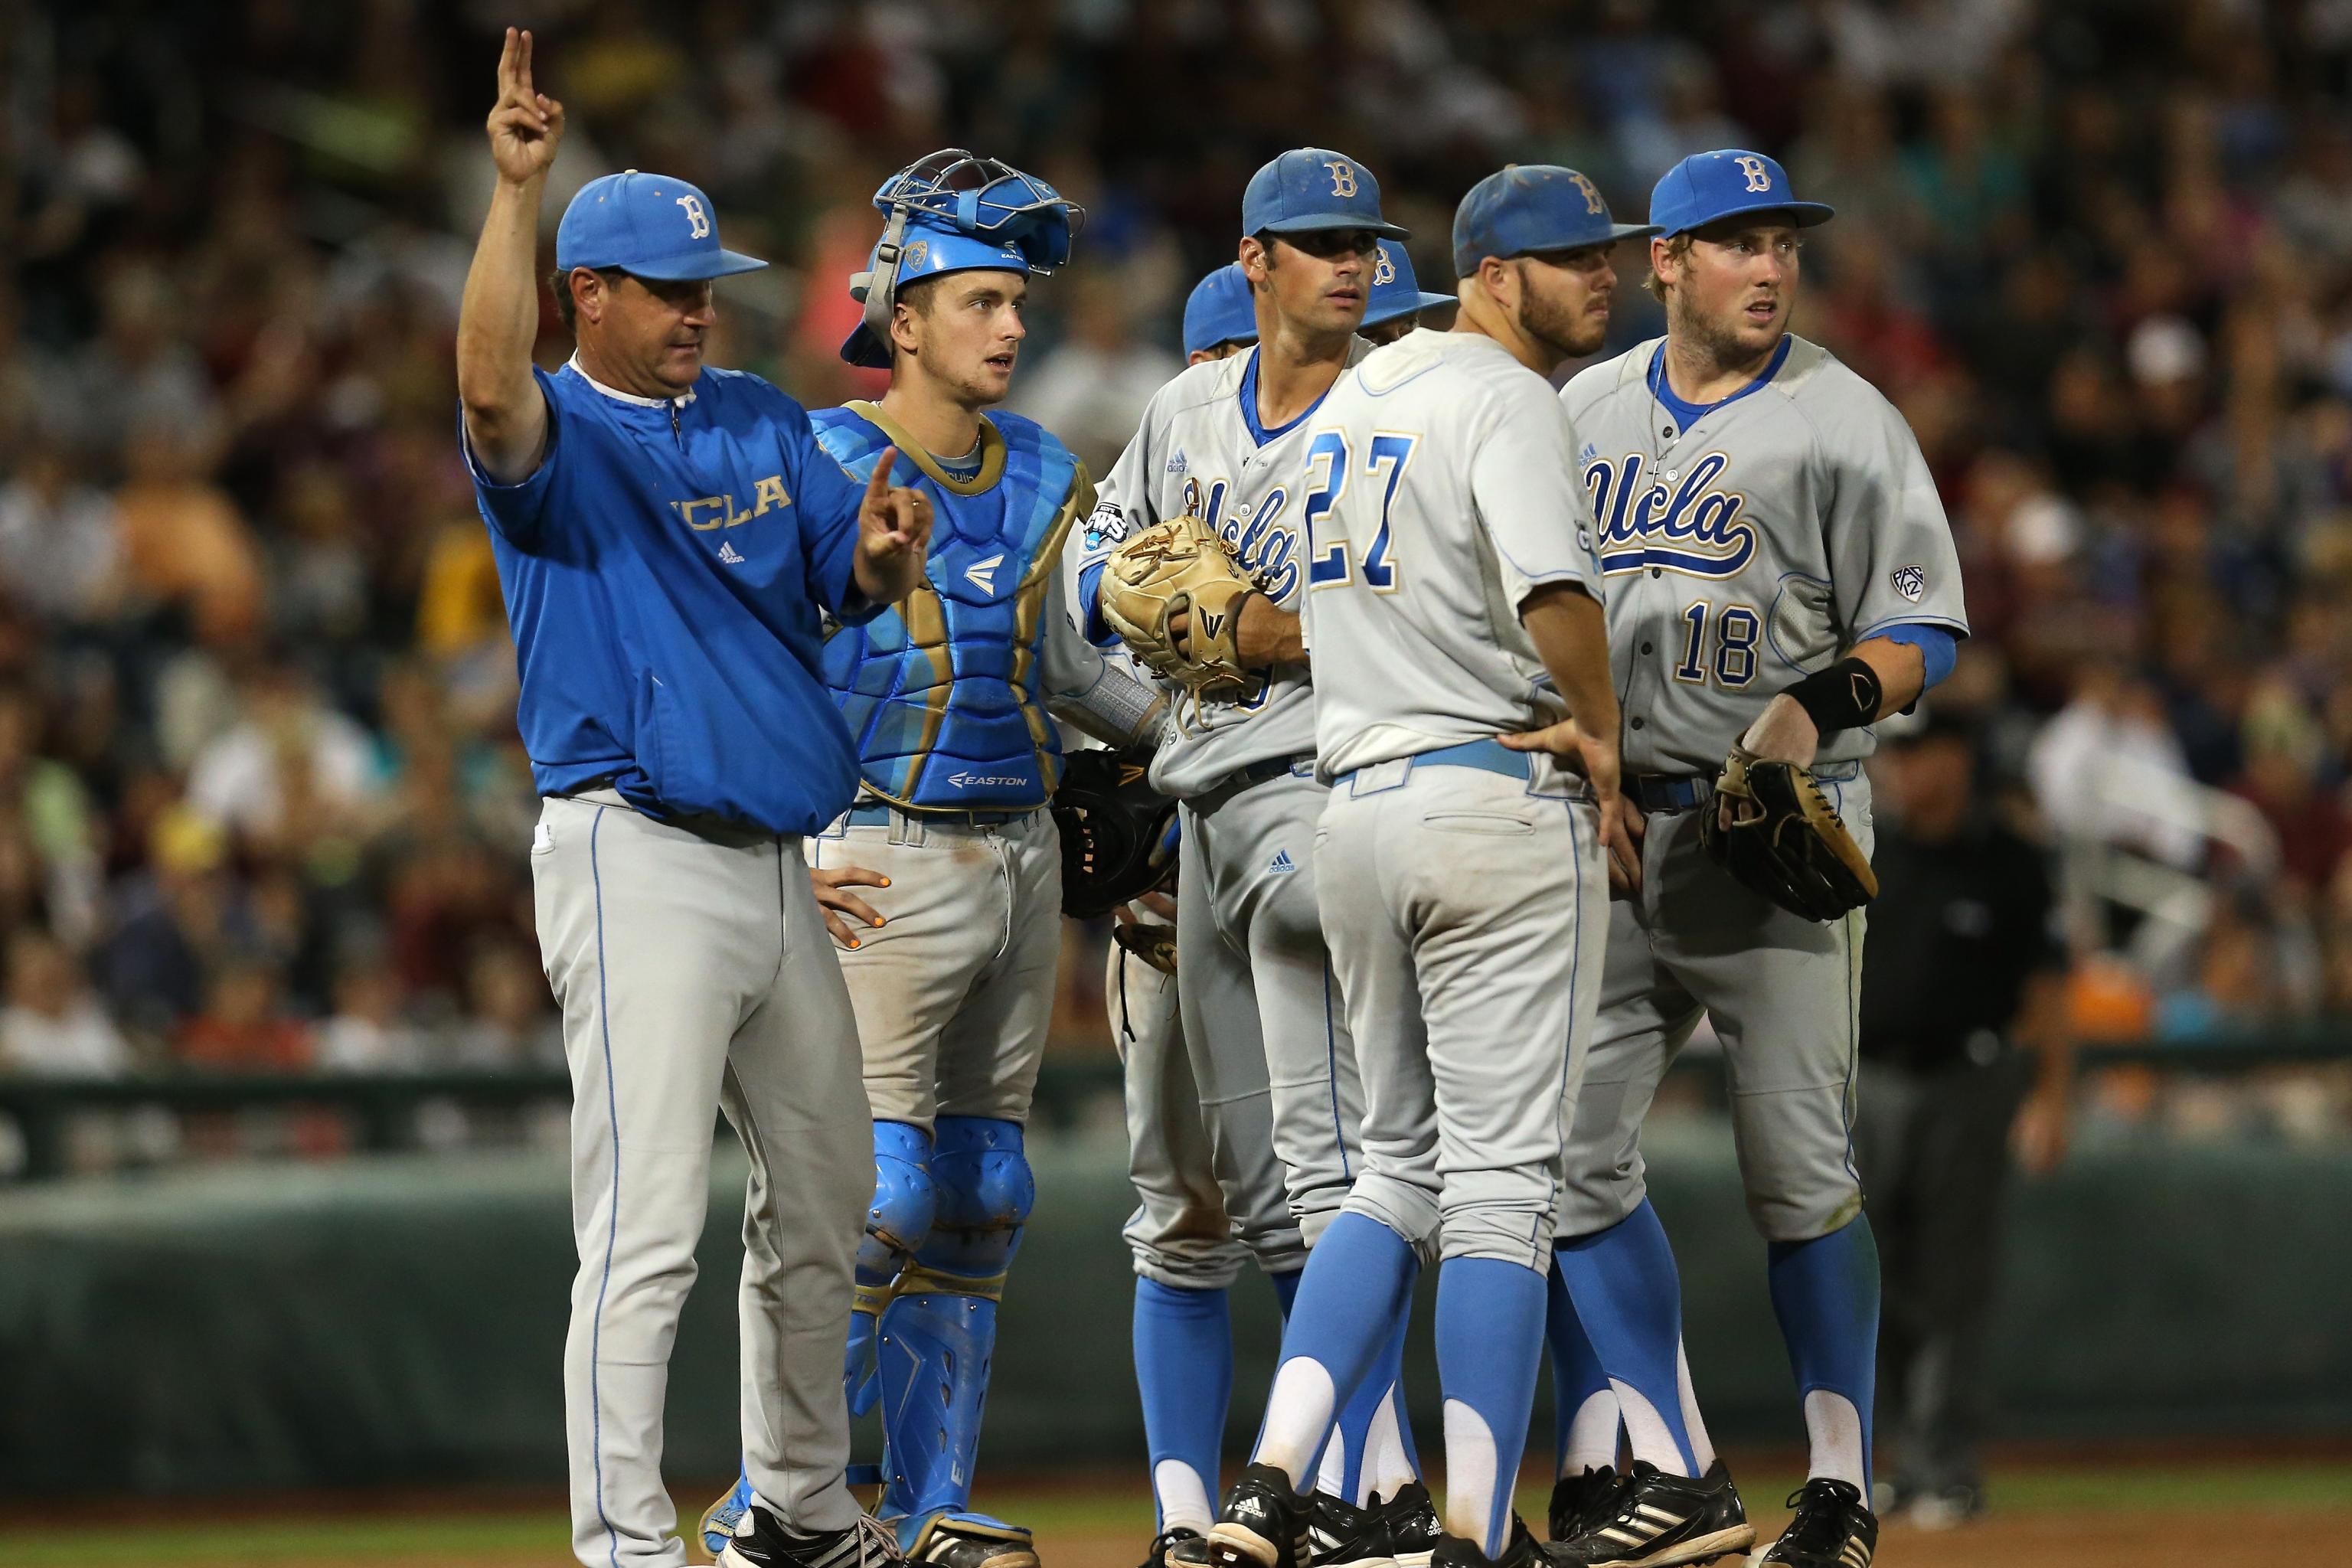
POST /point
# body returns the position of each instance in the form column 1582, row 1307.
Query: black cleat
column 1833, row 1528
column 760, row 1541
column 970, row 1541
column 1583, row 1502
column 1263, row 1524
column 1402, row 1530
column 1656, row 1520
column 1521, row 1550
column 1183, row 1547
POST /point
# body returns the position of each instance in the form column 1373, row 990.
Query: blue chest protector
column 943, row 693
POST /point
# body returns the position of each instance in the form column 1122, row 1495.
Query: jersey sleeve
column 1524, row 487
column 828, row 501
column 517, row 511
column 1123, row 508
column 1890, row 547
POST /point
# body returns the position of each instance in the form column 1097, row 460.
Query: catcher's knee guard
column 939, row 1329
column 905, row 1200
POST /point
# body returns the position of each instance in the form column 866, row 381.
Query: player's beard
column 1720, row 341
column 1567, row 333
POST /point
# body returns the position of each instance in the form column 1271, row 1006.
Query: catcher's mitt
column 1785, row 841
column 1181, row 564
column 1115, row 831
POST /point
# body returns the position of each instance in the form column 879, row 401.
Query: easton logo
column 982, row 574
column 1910, row 581
column 1694, row 528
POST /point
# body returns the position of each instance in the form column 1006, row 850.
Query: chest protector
column 944, row 692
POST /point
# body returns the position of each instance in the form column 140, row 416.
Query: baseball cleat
column 1655, row 1520
column 1402, row 1530
column 1520, row 1551
column 1181, row 1547
column 1833, row 1528
column 971, row 1541
column 760, row 1541
column 719, row 1520
column 1583, row 1502
column 1263, row 1524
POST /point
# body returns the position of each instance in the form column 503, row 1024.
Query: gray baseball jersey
column 1752, row 545
column 1466, row 901
column 1201, row 449
column 1439, row 479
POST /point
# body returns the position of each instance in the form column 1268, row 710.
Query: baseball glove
column 1115, row 831
column 1785, row 841
column 1182, row 564
column 1155, row 945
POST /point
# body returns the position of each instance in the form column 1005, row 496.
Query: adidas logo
column 1176, row 464
column 730, row 554
column 1281, row 862
column 1856, row 1555
column 982, row 574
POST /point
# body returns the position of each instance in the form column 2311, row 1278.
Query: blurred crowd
column 261, row 800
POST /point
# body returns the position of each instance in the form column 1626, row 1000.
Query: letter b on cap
column 698, row 221
column 1343, row 176
column 1759, row 178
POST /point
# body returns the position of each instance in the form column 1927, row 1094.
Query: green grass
column 1106, row 1509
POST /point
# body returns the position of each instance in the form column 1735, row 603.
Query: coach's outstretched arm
column 505, row 414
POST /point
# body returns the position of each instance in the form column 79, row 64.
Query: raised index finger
column 507, row 56
column 878, row 485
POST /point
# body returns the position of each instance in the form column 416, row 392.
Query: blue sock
column 1825, row 1293
column 1359, row 1409
column 1629, row 1300
column 1184, row 1370
column 1577, row 1380
column 1286, row 1289
column 1357, row 1285
column 1490, row 1337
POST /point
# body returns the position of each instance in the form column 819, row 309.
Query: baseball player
column 1780, row 575
column 1224, row 445
column 667, row 536
column 946, row 696
column 1186, row 1252
column 1398, row 298
column 1460, row 659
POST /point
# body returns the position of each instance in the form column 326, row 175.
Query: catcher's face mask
column 1017, row 220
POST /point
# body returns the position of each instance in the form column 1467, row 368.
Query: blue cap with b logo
column 1220, row 310
column 1314, row 187
column 1708, row 186
column 1529, row 209
column 1395, row 291
column 650, row 226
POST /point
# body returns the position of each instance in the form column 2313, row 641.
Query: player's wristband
column 1845, row 696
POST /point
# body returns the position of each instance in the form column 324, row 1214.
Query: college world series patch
column 1910, row 581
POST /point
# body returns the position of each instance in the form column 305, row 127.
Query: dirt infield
column 2070, row 1515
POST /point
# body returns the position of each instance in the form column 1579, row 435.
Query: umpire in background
column 668, row 537
column 1961, row 1018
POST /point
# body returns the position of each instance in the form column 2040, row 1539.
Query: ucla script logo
column 1680, row 522
column 1267, row 547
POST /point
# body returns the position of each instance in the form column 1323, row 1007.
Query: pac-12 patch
column 1910, row 581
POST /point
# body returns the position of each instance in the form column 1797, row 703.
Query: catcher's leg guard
column 906, row 1199
column 937, row 1335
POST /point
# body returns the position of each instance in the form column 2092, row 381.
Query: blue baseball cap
column 1220, row 310
column 1529, row 209
column 1706, row 187
column 1395, row 291
column 648, row 225
column 928, row 250
column 1314, row 187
